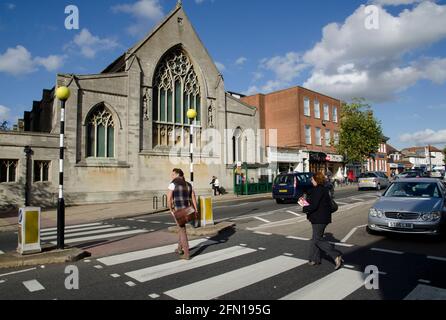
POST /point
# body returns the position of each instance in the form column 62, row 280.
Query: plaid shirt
column 182, row 195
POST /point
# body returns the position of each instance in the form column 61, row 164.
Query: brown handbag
column 185, row 216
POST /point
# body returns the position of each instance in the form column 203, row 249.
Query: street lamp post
column 192, row 115
column 62, row 93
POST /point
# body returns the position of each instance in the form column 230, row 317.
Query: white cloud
column 241, row 61
column 145, row 12
column 10, row 6
column 351, row 61
column 425, row 137
column 220, row 66
column 4, row 113
column 396, row 2
column 90, row 45
column 19, row 61
column 257, row 76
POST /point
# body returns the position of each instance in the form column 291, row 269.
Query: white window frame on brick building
column 8, row 170
column 318, row 136
column 326, row 112
column 307, row 108
column 327, row 138
column 335, row 114
column 336, row 138
column 308, row 135
column 317, row 109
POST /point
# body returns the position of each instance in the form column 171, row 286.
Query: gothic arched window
column 176, row 90
column 100, row 133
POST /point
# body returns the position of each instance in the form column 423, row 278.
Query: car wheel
column 359, row 189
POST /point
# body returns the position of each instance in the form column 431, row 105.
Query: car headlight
column 376, row 213
column 436, row 216
column 426, row 217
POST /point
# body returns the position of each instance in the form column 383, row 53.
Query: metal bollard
column 164, row 201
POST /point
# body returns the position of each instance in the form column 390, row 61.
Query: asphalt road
column 263, row 259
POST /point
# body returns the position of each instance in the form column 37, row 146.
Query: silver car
column 415, row 206
column 373, row 180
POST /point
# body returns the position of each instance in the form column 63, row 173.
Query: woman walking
column 181, row 196
column 319, row 214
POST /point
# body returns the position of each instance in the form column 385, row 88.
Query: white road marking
column 79, row 234
column 98, row 267
column 298, row 238
column 424, row 281
column 263, row 233
column 33, row 286
column 386, row 251
column 351, row 233
column 342, row 244
column 105, row 236
column 115, row 275
column 154, row 296
column 232, row 281
column 349, row 266
column 17, row 272
column 45, row 234
column 155, row 222
column 130, row 284
column 142, row 221
column 2, row 281
column 243, row 245
column 294, row 213
column 74, row 227
column 263, row 220
column 436, row 258
column 150, row 253
column 1, row 252
column 87, row 261
column 160, row 271
column 262, row 249
column 288, row 254
column 424, row 292
column 335, row 286
column 130, row 219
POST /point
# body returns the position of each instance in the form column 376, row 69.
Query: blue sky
column 260, row 46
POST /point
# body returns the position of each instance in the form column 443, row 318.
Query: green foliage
column 360, row 134
column 4, row 126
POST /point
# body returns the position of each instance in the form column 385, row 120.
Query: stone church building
column 126, row 128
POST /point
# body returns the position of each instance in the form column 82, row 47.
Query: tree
column 4, row 126
column 360, row 133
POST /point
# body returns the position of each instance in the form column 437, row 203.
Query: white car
column 373, row 180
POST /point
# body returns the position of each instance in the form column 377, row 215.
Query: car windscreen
column 413, row 190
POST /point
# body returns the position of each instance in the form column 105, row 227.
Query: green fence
column 253, row 188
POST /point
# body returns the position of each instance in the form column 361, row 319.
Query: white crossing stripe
column 424, row 292
column 335, row 286
column 74, row 227
column 263, row 220
column 294, row 213
column 51, row 233
column 104, row 236
column 33, row 286
column 387, row 251
column 17, row 272
column 150, row 253
column 232, row 281
column 2, row 281
column 167, row 269
column 154, row 296
column 130, row 284
column 263, row 233
column 115, row 275
column 298, row 238
column 1, row 252
column 86, row 233
column 436, row 258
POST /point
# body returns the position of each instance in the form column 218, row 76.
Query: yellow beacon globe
column 192, row 114
column 63, row 93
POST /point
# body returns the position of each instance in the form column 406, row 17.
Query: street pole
column 430, row 159
column 62, row 93
column 28, row 154
column 192, row 115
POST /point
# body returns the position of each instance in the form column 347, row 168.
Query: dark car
column 410, row 175
column 291, row 186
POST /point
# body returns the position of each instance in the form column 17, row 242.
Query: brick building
column 307, row 126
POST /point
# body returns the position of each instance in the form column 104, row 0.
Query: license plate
column 283, row 191
column 400, row 225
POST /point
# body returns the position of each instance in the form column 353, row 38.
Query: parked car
column 373, row 180
column 291, row 186
column 415, row 206
column 410, row 174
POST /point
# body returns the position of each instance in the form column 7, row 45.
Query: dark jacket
column 318, row 212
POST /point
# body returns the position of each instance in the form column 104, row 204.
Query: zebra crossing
column 90, row 232
column 337, row 285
